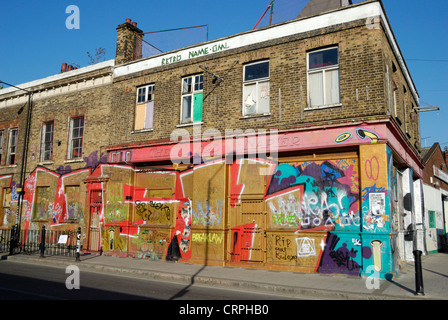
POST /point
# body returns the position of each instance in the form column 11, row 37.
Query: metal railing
column 43, row 242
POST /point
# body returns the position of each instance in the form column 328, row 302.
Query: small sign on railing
column 63, row 239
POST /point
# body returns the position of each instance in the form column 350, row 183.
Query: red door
column 95, row 206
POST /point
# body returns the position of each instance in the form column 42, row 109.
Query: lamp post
column 16, row 236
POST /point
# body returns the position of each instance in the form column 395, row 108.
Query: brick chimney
column 129, row 40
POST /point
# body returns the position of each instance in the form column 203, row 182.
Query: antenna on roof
column 270, row 6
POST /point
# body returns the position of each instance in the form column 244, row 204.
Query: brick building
column 435, row 190
column 292, row 147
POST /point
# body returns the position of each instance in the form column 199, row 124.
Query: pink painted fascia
column 304, row 138
column 402, row 148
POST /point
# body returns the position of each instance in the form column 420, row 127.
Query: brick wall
column 361, row 66
column 58, row 102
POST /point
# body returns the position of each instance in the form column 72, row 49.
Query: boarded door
column 248, row 239
column 96, row 204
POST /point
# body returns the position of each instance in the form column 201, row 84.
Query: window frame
column 323, row 70
column 148, row 97
column 9, row 153
column 43, row 142
column 257, row 82
column 191, row 93
column 70, row 152
column 146, row 87
column 2, row 136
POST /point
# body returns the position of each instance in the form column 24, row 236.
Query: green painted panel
column 197, row 107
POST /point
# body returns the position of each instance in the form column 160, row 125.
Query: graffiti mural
column 343, row 256
column 315, row 195
column 324, row 214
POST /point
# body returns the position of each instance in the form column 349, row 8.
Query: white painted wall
column 433, row 202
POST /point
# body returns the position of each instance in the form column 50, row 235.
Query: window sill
column 74, row 160
column 255, row 116
column 10, row 166
column 337, row 105
column 142, row 131
column 190, row 124
column 42, row 163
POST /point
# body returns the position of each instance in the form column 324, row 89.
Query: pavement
column 282, row 283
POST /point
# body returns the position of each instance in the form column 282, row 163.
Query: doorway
column 95, row 207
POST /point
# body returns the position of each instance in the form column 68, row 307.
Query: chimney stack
column 129, row 39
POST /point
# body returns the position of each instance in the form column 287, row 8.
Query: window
column 6, row 204
column 12, row 146
column 191, row 109
column 74, row 203
column 42, row 208
column 46, row 144
column 76, row 132
column 115, row 157
column 1, row 145
column 323, row 78
column 388, row 90
column 256, row 88
column 145, row 108
column 128, row 156
column 405, row 110
column 395, row 99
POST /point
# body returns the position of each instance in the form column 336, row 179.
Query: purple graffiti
column 61, row 170
column 341, row 259
column 93, row 160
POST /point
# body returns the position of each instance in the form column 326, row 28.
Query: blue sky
column 34, row 40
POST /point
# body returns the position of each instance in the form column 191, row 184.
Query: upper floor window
column 395, row 97
column 256, row 88
column 12, row 146
column 192, row 96
column 75, row 138
column 1, row 145
column 323, row 77
column 145, row 108
column 46, row 144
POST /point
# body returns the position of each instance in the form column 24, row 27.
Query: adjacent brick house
column 435, row 189
column 274, row 148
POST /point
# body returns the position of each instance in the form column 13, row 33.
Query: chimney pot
column 70, row 68
column 64, row 67
column 128, row 20
column 134, row 24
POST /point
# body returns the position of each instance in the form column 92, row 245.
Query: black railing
column 43, row 242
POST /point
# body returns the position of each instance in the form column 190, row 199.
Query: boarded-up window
column 74, row 205
column 145, row 108
column 42, row 206
column 6, row 197
column 192, row 98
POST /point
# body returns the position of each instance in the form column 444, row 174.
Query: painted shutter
column 149, row 115
column 140, row 117
column 197, row 107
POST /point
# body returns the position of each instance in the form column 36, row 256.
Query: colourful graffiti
column 361, row 134
column 342, row 256
column 315, row 195
column 309, row 215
